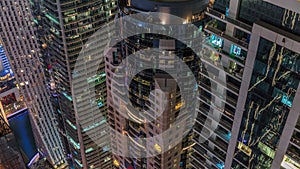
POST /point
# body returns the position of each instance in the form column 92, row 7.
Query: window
column 235, row 50
column 217, row 41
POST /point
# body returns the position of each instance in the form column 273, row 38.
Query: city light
column 142, row 84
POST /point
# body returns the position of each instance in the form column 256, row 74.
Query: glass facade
column 141, row 92
column 273, row 85
column 248, row 85
column 21, row 46
column 142, row 95
column 292, row 156
column 254, row 10
column 221, row 5
column 64, row 28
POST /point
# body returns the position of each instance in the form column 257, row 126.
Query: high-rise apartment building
column 257, row 45
column 64, row 28
column 248, row 78
column 153, row 91
column 21, row 46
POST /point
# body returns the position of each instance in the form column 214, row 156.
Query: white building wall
column 22, row 48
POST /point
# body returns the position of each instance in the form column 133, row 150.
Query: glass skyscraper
column 64, row 27
column 149, row 89
column 20, row 43
column 257, row 43
column 247, row 69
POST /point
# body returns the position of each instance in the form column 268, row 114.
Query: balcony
column 64, row 2
column 242, row 160
column 199, row 162
column 228, row 100
column 219, row 151
column 294, row 154
column 217, row 15
column 134, row 131
column 51, row 6
column 213, row 28
column 74, row 5
column 216, row 162
column 220, row 144
column 296, row 141
column 211, row 105
column 298, row 125
column 233, row 69
column 237, row 164
column 228, row 85
column 226, row 124
column 219, row 51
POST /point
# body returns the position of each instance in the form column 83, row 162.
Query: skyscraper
column 20, row 43
column 64, row 28
column 246, row 67
column 257, row 44
column 154, row 91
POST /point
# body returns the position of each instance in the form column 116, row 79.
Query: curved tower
column 153, row 91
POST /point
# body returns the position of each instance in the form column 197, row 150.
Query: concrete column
column 250, row 60
column 229, row 29
column 234, row 8
column 233, row 12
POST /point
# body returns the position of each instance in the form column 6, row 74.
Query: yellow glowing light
column 157, row 147
column 247, row 150
column 179, row 105
column 44, row 46
column 116, row 163
column 190, row 146
column 5, row 77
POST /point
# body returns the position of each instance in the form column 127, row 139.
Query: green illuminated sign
column 266, row 150
column 52, row 18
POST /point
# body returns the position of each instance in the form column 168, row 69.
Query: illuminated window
column 235, row 50
column 286, row 100
column 247, row 150
column 116, row 163
column 288, row 162
column 220, row 165
column 266, row 150
column 217, row 41
column 157, row 147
